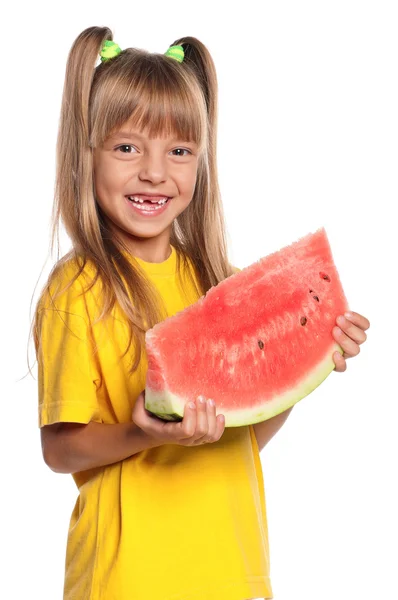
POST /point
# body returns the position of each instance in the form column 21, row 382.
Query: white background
column 308, row 136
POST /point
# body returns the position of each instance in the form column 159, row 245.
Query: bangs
column 151, row 92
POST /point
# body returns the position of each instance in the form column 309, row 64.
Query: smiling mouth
column 148, row 206
column 142, row 200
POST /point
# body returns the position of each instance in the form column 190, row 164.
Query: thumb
column 139, row 404
column 141, row 395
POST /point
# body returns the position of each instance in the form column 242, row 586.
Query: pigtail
column 198, row 60
column 74, row 171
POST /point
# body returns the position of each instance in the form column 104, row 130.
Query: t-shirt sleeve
column 66, row 369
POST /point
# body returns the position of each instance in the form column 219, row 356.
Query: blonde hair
column 154, row 91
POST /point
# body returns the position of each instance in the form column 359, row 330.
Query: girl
column 165, row 511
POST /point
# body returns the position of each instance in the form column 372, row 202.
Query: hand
column 349, row 334
column 198, row 426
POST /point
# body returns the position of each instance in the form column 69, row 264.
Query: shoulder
column 68, row 285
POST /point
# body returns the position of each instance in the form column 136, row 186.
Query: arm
column 267, row 429
column 73, row 447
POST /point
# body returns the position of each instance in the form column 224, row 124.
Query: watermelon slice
column 257, row 343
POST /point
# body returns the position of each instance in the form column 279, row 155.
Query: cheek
column 98, row 177
column 107, row 181
column 188, row 182
column 100, row 192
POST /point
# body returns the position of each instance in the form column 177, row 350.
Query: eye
column 183, row 150
column 125, row 148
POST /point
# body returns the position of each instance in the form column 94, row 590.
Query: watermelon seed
column 316, row 298
column 303, row 320
column 261, row 344
column 324, row 276
column 311, row 291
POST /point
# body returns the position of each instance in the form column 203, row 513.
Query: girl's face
column 130, row 164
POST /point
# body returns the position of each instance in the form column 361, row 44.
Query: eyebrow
column 130, row 134
column 126, row 134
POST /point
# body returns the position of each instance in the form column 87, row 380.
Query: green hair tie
column 109, row 50
column 176, row 52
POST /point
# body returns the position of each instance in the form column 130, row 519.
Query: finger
column 220, row 426
column 340, row 363
column 188, row 423
column 145, row 420
column 210, row 409
column 350, row 347
column 216, row 424
column 211, row 419
column 139, row 410
column 353, row 331
column 357, row 319
column 202, row 426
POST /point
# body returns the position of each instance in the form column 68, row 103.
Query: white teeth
column 135, row 199
column 155, row 206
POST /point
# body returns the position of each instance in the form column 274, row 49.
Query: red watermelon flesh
column 257, row 343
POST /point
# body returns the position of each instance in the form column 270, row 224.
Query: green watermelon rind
column 170, row 407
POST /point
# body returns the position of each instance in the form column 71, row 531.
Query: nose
column 153, row 168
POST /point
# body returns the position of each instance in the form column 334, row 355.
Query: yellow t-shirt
column 168, row 523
